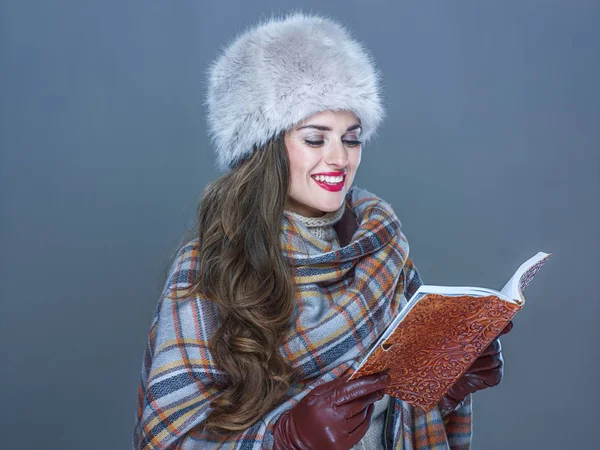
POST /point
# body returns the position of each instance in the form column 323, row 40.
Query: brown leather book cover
column 435, row 343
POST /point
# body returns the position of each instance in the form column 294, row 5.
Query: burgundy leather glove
column 333, row 416
column 485, row 372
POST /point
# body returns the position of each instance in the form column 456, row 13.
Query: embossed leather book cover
column 439, row 334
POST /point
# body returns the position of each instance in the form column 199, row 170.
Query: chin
column 329, row 206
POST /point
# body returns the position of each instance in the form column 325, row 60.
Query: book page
column 524, row 274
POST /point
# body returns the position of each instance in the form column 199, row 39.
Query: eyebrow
column 324, row 128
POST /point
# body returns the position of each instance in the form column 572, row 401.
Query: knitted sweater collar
column 376, row 226
column 321, row 227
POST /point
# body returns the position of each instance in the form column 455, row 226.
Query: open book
column 440, row 332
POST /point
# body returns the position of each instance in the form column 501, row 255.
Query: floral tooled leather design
column 436, row 343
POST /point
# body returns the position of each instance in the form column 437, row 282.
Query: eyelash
column 319, row 143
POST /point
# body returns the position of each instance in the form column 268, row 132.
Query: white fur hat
column 282, row 71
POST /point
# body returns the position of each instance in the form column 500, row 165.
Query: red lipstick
column 330, row 174
column 331, row 187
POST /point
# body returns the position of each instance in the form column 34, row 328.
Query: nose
column 337, row 155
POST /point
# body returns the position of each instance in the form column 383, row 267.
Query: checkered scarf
column 363, row 285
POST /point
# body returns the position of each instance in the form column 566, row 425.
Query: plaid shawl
column 365, row 283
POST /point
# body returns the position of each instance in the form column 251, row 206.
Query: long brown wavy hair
column 243, row 271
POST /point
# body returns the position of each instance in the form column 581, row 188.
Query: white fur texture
column 282, row 71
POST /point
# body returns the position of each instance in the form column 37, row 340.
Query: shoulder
column 184, row 267
column 180, row 295
column 363, row 200
column 358, row 194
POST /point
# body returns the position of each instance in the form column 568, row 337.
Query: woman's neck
column 321, row 226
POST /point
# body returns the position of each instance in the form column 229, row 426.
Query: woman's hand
column 485, row 372
column 333, row 416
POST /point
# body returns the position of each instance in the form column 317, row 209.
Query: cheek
column 296, row 165
column 358, row 158
column 355, row 158
column 292, row 153
column 301, row 161
column 296, row 169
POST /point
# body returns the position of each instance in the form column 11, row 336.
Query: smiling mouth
column 330, row 183
column 331, row 178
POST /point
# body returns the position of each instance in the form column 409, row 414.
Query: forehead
column 332, row 119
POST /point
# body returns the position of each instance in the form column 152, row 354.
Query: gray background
column 490, row 152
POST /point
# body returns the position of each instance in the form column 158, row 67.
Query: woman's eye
column 351, row 143
column 347, row 142
column 314, row 143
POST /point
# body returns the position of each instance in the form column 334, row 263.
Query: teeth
column 328, row 179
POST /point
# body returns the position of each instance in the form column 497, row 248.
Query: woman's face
column 324, row 152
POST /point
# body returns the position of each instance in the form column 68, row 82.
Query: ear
column 346, row 226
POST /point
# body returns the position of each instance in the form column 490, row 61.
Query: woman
column 293, row 274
